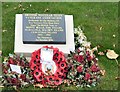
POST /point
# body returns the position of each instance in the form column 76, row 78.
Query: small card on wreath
column 48, row 65
column 15, row 68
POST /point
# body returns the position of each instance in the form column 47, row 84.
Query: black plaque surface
column 44, row 29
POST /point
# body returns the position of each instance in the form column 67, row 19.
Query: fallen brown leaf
column 101, row 28
column 98, row 46
column 95, row 49
column 101, row 53
column 102, row 72
column 20, row 5
column 23, row 9
column 15, row 8
column 114, row 45
column 111, row 54
column 4, row 31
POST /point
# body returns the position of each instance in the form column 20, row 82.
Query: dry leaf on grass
column 4, row 31
column 101, row 53
column 20, row 5
column 15, row 8
column 23, row 9
column 102, row 72
column 95, row 49
column 114, row 45
column 101, row 28
column 111, row 54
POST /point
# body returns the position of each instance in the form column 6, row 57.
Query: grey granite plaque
column 44, row 29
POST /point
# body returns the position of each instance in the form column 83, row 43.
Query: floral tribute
column 12, row 78
column 46, row 74
column 83, row 69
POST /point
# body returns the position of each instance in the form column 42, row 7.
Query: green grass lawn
column 98, row 20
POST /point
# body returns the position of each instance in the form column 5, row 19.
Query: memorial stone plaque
column 44, row 29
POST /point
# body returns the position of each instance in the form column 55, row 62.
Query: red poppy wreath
column 48, row 66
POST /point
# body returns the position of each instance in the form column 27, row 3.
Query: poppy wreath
column 48, row 79
column 11, row 78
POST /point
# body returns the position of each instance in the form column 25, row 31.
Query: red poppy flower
column 8, row 65
column 10, row 61
column 22, row 63
column 50, row 79
column 75, row 57
column 5, row 71
column 23, row 77
column 56, row 50
column 95, row 60
column 58, row 81
column 38, row 75
column 62, row 65
column 94, row 68
column 36, row 55
column 79, row 69
column 87, row 76
column 89, row 58
column 56, row 59
column 60, row 73
column 57, row 72
column 33, row 66
column 80, row 58
column 14, row 81
column 62, row 58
